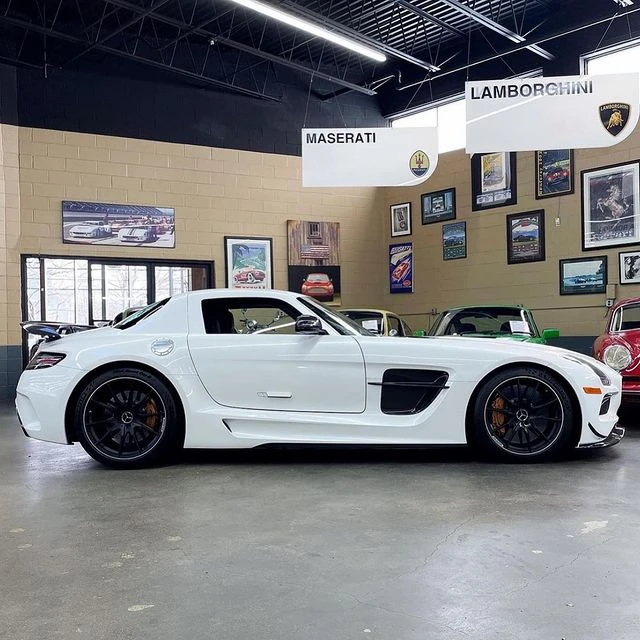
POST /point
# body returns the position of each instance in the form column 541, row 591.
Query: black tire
column 523, row 414
column 128, row 418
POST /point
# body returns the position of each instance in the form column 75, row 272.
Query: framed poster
column 554, row 173
column 454, row 240
column 610, row 200
column 124, row 225
column 525, row 237
column 583, row 275
column 401, row 219
column 401, row 268
column 314, row 259
column 493, row 180
column 438, row 206
column 248, row 263
column 629, row 264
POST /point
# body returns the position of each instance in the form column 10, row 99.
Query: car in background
column 509, row 322
column 619, row 346
column 399, row 272
column 141, row 233
column 378, row 321
column 90, row 229
column 249, row 275
column 318, row 286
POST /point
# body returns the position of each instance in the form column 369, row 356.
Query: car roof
column 241, row 293
column 382, row 311
column 472, row 307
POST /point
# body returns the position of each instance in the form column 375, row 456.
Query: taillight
column 44, row 360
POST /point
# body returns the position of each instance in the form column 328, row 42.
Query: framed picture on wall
column 493, row 180
column 525, row 237
column 583, row 275
column 99, row 223
column 610, row 206
column 554, row 173
column 248, row 263
column 401, row 268
column 454, row 240
column 438, row 206
column 629, row 263
column 401, row 219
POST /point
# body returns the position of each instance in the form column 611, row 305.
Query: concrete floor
column 397, row 545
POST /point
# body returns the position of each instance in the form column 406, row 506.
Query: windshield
column 317, row 277
column 370, row 320
column 134, row 318
column 484, row 320
column 337, row 321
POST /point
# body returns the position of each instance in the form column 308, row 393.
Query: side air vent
column 408, row 391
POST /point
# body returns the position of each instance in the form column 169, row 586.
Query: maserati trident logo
column 614, row 117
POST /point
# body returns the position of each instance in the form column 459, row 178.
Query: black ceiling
column 432, row 46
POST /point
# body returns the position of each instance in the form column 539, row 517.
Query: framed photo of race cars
column 525, row 237
column 454, row 240
column 554, row 173
column 611, row 206
column 583, row 275
column 438, row 206
column 248, row 263
column 493, row 180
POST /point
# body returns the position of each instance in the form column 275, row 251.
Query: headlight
column 604, row 379
column 617, row 357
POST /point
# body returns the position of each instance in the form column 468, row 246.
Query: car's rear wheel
column 128, row 418
column 523, row 414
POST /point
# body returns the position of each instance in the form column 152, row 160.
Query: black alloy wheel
column 523, row 414
column 127, row 418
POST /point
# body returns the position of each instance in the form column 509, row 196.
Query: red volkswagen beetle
column 619, row 347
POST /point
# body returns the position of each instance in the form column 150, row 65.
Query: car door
column 248, row 356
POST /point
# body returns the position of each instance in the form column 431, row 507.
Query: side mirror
column 309, row 325
column 550, row 334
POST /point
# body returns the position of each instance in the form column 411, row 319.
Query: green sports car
column 491, row 321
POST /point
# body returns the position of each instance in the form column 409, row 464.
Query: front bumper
column 617, row 433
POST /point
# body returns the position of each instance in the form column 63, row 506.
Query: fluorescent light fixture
column 313, row 29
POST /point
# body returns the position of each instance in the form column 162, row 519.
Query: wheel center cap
column 522, row 415
column 126, row 417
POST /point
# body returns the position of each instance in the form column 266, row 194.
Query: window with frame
column 627, row 318
column 623, row 58
column 248, row 316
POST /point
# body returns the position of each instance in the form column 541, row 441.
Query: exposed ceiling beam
column 425, row 15
column 485, row 21
column 355, row 35
column 31, row 26
column 246, row 48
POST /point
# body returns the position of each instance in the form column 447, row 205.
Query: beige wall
column 484, row 276
column 215, row 192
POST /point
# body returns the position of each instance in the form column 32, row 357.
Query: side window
column 395, row 328
column 615, row 322
column 248, row 316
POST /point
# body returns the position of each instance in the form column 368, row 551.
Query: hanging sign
column 368, row 157
column 565, row 112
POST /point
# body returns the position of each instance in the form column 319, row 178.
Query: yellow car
column 379, row 321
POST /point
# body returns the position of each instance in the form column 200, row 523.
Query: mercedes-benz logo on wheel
column 522, row 415
column 126, row 417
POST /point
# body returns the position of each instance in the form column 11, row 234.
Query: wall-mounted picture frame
column 123, row 225
column 629, row 265
column 400, row 219
column 611, row 206
column 454, row 240
column 248, row 262
column 583, row 275
column 401, row 268
column 438, row 206
column 525, row 237
column 493, row 180
column 554, row 173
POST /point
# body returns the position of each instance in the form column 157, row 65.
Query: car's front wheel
column 523, row 414
column 128, row 418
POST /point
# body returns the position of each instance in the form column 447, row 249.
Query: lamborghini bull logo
column 614, row 117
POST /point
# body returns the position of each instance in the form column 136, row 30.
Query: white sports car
column 243, row 368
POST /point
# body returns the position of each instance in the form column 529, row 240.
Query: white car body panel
column 241, row 390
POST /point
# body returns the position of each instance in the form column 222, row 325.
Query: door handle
column 275, row 394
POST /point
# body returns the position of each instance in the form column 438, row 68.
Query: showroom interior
column 142, row 142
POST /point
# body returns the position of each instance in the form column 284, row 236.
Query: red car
column 619, row 347
column 556, row 174
column 319, row 286
column 400, row 270
column 249, row 274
